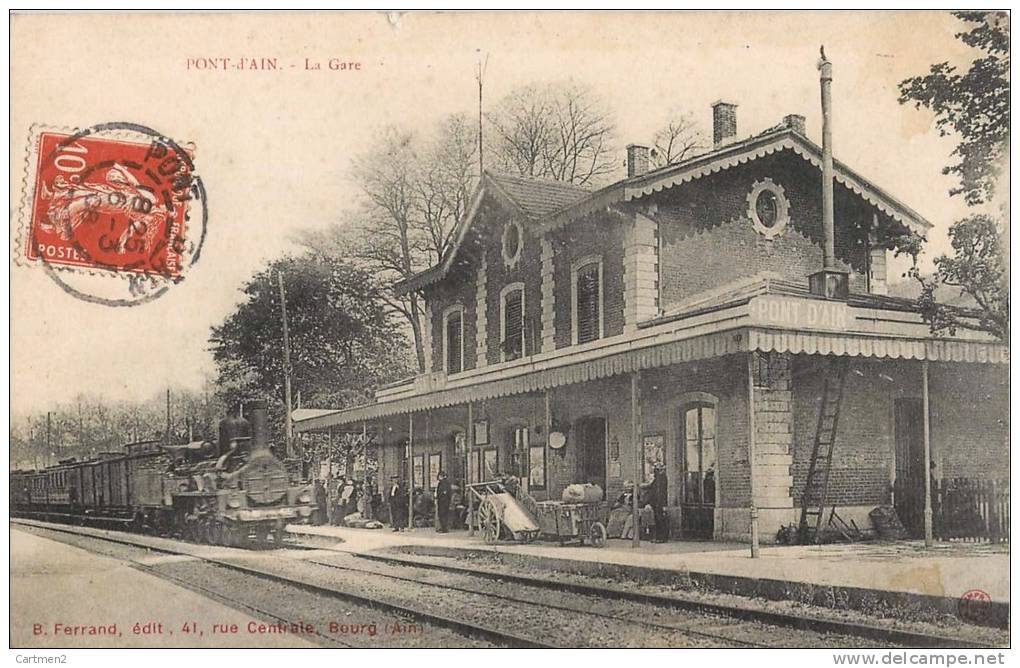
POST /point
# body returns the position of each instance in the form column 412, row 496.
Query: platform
column 902, row 573
column 66, row 597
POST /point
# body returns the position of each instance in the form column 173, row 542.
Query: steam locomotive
column 233, row 492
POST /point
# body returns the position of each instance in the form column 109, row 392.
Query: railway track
column 882, row 634
column 485, row 633
column 530, row 615
column 581, row 601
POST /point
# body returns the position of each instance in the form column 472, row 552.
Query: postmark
column 115, row 214
column 974, row 605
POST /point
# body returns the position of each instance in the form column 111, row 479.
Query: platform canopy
column 764, row 315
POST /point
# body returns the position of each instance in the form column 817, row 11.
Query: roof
column 537, row 197
column 731, row 155
column 549, row 204
column 531, row 198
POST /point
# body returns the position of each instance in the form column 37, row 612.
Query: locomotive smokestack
column 257, row 414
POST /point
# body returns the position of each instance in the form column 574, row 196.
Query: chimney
column 637, row 160
column 829, row 282
column 796, row 122
column 724, row 123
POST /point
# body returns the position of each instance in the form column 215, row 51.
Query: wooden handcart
column 507, row 512
column 501, row 515
column 572, row 522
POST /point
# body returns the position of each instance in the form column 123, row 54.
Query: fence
column 966, row 509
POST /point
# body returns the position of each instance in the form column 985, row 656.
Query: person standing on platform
column 444, row 494
column 397, row 500
column 320, row 503
column 657, row 498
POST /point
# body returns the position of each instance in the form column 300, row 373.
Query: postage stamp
column 115, row 213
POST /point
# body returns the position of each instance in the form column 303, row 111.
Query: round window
column 512, row 241
column 768, row 208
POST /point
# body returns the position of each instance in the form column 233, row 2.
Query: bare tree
column 416, row 188
column 681, row 138
column 560, row 131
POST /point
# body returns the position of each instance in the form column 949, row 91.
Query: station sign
column 800, row 313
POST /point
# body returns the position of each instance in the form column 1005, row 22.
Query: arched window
column 512, row 322
column 453, row 339
column 586, row 289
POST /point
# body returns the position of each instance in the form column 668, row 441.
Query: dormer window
column 512, row 322
column 586, row 289
column 453, row 337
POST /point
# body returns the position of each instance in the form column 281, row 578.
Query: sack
column 582, row 493
column 887, row 523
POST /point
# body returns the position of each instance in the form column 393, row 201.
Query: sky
column 274, row 148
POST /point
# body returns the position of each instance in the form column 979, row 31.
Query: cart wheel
column 597, row 534
column 488, row 522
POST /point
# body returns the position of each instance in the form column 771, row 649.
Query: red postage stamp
column 105, row 202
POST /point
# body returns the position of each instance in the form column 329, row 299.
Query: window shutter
column 454, row 333
column 514, row 326
column 588, row 303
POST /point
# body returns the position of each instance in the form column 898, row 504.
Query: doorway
column 909, row 485
column 591, row 450
column 699, row 463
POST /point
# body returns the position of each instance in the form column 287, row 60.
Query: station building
column 681, row 315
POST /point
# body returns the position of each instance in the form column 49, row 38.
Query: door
column 698, row 463
column 909, row 485
column 591, row 451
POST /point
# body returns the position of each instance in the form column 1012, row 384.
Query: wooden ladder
column 816, row 488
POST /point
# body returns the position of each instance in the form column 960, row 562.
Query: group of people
column 342, row 497
column 398, row 502
column 653, row 523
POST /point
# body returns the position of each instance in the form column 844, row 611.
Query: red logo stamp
column 110, row 204
column 974, row 605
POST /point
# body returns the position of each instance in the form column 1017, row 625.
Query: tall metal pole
column 469, row 434
column 751, row 453
column 49, row 429
column 480, row 76
column 288, row 432
column 364, row 451
column 635, row 431
column 825, row 70
column 928, row 533
column 410, row 470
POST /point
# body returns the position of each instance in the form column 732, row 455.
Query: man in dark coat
column 320, row 503
column 444, row 494
column 657, row 499
column 396, row 498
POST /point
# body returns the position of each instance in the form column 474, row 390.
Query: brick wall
column 599, row 234
column 970, row 420
column 457, row 289
column 865, row 436
column 528, row 270
column 663, row 393
column 708, row 240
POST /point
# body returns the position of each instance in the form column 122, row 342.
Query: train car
column 230, row 492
